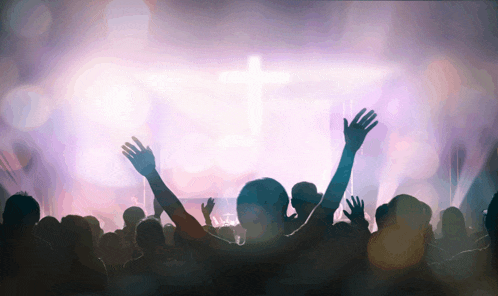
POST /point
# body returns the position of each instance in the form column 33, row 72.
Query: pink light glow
column 247, row 90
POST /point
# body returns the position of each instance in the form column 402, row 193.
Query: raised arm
column 144, row 162
column 354, row 135
column 207, row 210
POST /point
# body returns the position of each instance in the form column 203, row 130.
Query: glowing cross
column 255, row 78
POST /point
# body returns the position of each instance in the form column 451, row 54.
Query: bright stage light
column 104, row 167
column 26, row 107
column 105, row 94
column 194, row 153
column 346, row 79
column 28, row 18
column 255, row 79
column 237, row 154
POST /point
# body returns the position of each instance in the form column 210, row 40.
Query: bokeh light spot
column 9, row 74
column 26, row 108
column 28, row 18
column 107, row 95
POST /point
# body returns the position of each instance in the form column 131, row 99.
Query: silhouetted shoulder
column 465, row 265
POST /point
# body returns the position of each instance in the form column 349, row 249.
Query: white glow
column 26, row 107
column 255, row 78
column 103, row 166
column 345, row 79
column 128, row 23
column 105, row 94
column 237, row 154
column 161, row 82
column 194, row 153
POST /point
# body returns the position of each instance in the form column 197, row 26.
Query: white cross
column 255, row 78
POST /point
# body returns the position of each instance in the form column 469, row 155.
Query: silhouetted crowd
column 268, row 253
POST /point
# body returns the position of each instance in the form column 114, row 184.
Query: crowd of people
column 268, row 253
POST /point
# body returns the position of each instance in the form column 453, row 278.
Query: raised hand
column 357, row 209
column 208, row 209
column 356, row 132
column 143, row 160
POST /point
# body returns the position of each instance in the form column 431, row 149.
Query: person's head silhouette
column 453, row 223
column 150, row 235
column 492, row 221
column 49, row 229
column 406, row 210
column 109, row 242
column 132, row 216
column 381, row 216
column 21, row 212
column 400, row 242
column 77, row 236
column 261, row 209
column 305, row 198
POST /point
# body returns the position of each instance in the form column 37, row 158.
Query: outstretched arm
column 354, row 134
column 144, row 162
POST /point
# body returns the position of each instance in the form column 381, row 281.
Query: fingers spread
column 128, row 156
column 357, row 117
column 366, row 123
column 366, row 117
column 128, row 150
column 132, row 147
column 345, row 124
column 372, row 126
column 349, row 204
column 140, row 145
column 347, row 215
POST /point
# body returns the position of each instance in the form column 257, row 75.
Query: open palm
column 142, row 159
column 356, row 132
column 208, row 209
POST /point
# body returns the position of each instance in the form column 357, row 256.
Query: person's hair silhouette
column 132, row 216
column 261, row 209
column 492, row 221
column 84, row 271
column 49, row 229
column 21, row 211
column 150, row 235
column 381, row 216
column 304, row 199
column 453, row 223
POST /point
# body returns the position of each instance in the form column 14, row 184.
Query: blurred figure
column 454, row 234
column 131, row 217
column 83, row 272
column 158, row 267
column 97, row 232
column 398, row 253
column 49, row 229
column 304, row 199
column 475, row 271
column 169, row 234
column 112, row 254
column 381, row 216
column 27, row 263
